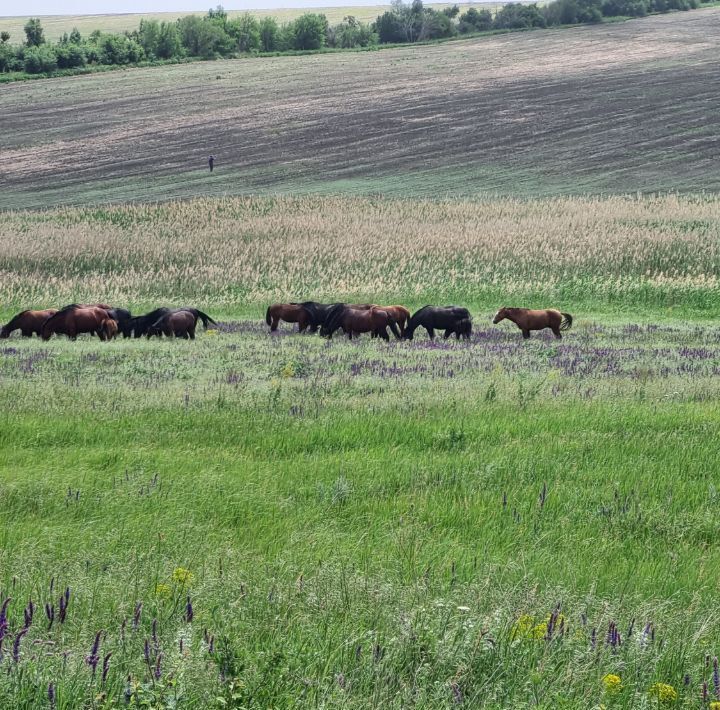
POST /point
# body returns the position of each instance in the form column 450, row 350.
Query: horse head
column 500, row 315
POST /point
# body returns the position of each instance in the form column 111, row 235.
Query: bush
column 204, row 38
column 70, row 56
column 34, row 33
column 351, row 33
column 475, row 21
column 245, row 31
column 40, row 60
column 389, row 29
column 119, row 49
column 514, row 16
column 625, row 8
column 8, row 59
column 269, row 34
column 308, row 31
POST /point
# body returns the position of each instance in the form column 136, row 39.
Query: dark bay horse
column 290, row 313
column 27, row 322
column 527, row 320
column 140, row 325
column 317, row 313
column 355, row 320
column 74, row 321
column 180, row 324
column 451, row 319
column 400, row 314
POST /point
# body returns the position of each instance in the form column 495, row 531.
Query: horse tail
column 205, row 318
column 268, row 319
column 566, row 322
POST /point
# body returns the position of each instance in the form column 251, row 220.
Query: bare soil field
column 609, row 109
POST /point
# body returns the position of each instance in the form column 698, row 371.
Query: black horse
column 140, row 325
column 123, row 318
column 451, row 319
column 317, row 313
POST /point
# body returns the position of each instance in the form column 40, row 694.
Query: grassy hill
column 606, row 109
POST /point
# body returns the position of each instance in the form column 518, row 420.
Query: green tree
column 309, row 31
column 40, row 60
column 148, row 34
column 475, row 21
column 8, row 61
column 245, row 31
column 269, row 32
column 34, row 32
column 70, row 56
column 4, row 37
column 75, row 36
column 168, row 41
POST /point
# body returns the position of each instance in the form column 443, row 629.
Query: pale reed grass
column 235, row 254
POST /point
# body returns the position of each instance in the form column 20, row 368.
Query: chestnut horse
column 400, row 314
column 528, row 320
column 354, row 320
column 73, row 321
column 109, row 328
column 290, row 313
column 28, row 322
column 180, row 324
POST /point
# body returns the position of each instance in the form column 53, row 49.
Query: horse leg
column 447, row 334
column 26, row 333
column 556, row 332
column 191, row 332
column 274, row 324
column 382, row 332
column 526, row 333
column 431, row 332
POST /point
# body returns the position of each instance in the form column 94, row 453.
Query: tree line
column 215, row 35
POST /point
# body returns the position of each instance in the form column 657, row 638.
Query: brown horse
column 108, row 329
column 528, row 320
column 290, row 313
column 353, row 320
column 400, row 314
column 180, row 324
column 74, row 321
column 27, row 322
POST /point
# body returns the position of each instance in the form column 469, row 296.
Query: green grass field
column 360, row 524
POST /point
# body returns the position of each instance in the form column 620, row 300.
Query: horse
column 27, row 322
column 400, row 314
column 355, row 320
column 317, row 313
column 527, row 320
column 122, row 317
column 140, row 325
column 73, row 321
column 178, row 323
column 452, row 319
column 155, row 328
column 290, row 313
column 108, row 329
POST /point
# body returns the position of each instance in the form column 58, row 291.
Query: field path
column 613, row 108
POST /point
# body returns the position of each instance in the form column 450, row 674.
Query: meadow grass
column 363, row 524
column 255, row 520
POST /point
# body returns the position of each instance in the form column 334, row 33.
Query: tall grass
column 235, row 255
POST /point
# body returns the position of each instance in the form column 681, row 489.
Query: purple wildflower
column 705, row 691
column 137, row 615
column 593, row 639
column 158, row 666
column 51, row 695
column 50, row 613
column 3, row 623
column 543, row 495
column 181, row 645
column 342, row 683
column 457, row 693
column 716, row 678
column 147, row 652
column 16, row 645
column 189, row 613
column 29, row 613
column 64, row 601
column 211, row 645
column 106, row 667
column 122, row 629
column 686, row 680
column 94, row 658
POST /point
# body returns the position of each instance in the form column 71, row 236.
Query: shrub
column 40, row 60
column 119, row 49
column 269, row 33
column 245, row 31
column 475, row 21
column 70, row 56
column 351, row 33
column 626, row 8
column 514, row 16
column 34, row 33
column 309, row 31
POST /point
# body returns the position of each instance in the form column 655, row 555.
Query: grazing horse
column 73, row 321
column 528, row 320
column 354, row 320
column 156, row 329
column 451, row 319
column 290, row 313
column 400, row 314
column 317, row 313
column 122, row 317
column 180, row 324
column 140, row 325
column 27, row 322
column 109, row 329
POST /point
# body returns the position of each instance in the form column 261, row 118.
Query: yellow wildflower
column 715, row 705
column 521, row 628
column 663, row 692
column 612, row 683
column 182, row 576
column 162, row 590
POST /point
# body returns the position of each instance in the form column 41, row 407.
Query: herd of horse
column 106, row 322
column 358, row 318
column 353, row 319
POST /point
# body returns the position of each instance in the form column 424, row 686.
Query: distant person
column 211, row 162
